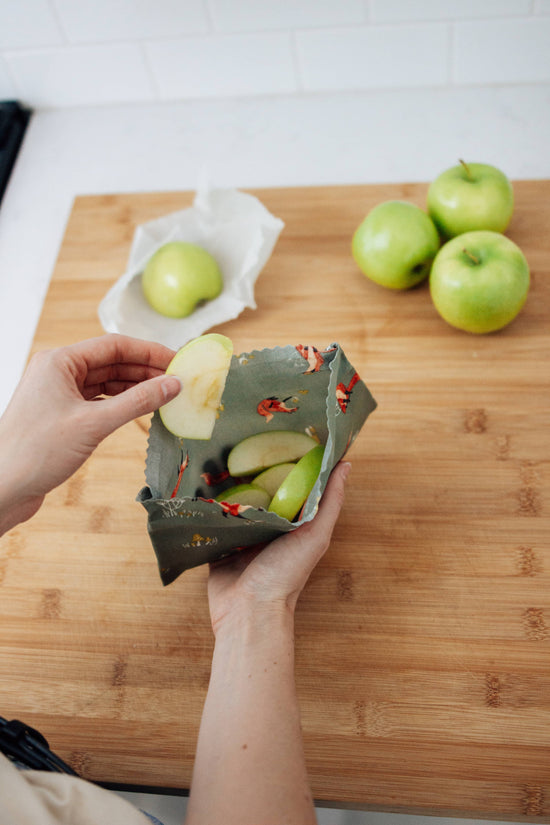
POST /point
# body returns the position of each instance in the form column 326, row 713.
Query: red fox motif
column 313, row 357
column 230, row 509
column 272, row 405
column 183, row 465
column 343, row 393
column 212, row 479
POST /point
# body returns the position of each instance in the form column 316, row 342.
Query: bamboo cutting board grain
column 423, row 637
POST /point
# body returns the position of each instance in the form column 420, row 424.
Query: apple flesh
column 202, row 366
column 257, row 452
column 246, row 494
column 293, row 492
column 468, row 197
column 395, row 244
column 272, row 478
column 178, row 277
column 479, row 281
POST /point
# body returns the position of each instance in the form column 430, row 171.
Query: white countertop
column 364, row 137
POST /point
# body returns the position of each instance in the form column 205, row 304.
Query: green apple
column 293, row 492
column 479, row 281
column 395, row 244
column 202, row 366
column 470, row 196
column 178, row 277
column 272, row 478
column 262, row 450
column 245, row 494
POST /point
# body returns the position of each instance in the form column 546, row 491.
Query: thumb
column 143, row 398
column 332, row 500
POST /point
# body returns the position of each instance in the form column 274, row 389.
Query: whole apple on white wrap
column 178, row 277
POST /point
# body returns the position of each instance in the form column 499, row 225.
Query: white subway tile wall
column 56, row 53
column 7, row 86
column 220, row 65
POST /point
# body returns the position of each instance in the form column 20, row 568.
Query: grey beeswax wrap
column 300, row 388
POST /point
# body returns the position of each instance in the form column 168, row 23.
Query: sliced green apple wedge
column 202, row 366
column 272, row 478
column 245, row 494
column 298, row 484
column 257, row 452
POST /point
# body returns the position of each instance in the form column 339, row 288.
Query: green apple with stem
column 246, row 494
column 202, row 366
column 262, row 450
column 470, row 196
column 293, row 492
column 479, row 281
column 395, row 244
column 272, row 478
column 180, row 276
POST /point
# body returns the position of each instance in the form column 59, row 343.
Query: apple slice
column 257, row 452
column 245, row 494
column 272, row 478
column 202, row 365
column 298, row 484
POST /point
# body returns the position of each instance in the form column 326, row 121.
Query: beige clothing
column 42, row 798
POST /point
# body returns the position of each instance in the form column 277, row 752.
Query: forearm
column 249, row 765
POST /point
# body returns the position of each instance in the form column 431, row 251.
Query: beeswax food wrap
column 300, row 388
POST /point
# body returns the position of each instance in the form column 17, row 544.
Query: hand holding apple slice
column 202, row 366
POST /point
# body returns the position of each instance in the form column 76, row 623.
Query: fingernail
column 170, row 386
column 346, row 467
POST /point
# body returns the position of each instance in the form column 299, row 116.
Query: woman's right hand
column 272, row 578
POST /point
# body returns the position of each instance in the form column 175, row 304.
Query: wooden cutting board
column 423, row 637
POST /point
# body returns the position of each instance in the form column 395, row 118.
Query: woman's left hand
column 59, row 413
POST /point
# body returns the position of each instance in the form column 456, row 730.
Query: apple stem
column 466, row 168
column 471, row 256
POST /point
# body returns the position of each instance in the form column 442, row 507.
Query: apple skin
column 272, row 478
column 482, row 293
column 470, row 197
column 395, row 244
column 202, row 366
column 262, row 450
column 178, row 276
column 293, row 492
column 246, row 494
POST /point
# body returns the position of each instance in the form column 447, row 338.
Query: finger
column 111, row 388
column 239, row 560
column 332, row 501
column 313, row 537
column 128, row 373
column 115, row 349
column 136, row 401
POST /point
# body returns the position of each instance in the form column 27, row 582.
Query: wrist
column 17, row 503
column 251, row 621
column 15, row 508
